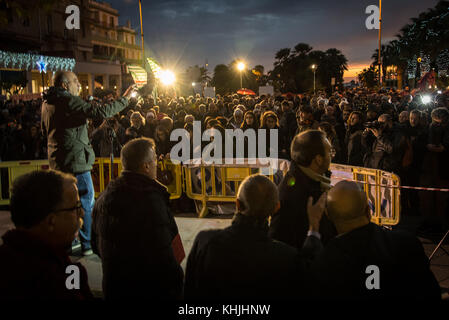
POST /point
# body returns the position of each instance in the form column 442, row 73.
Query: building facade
column 101, row 47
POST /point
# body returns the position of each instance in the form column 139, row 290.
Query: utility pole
column 379, row 55
column 141, row 33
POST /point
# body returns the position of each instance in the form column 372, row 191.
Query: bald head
column 68, row 81
column 347, row 206
column 257, row 196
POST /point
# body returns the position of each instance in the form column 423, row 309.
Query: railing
column 215, row 184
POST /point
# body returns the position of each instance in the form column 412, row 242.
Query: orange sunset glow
column 353, row 70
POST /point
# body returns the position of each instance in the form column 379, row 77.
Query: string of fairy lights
column 30, row 61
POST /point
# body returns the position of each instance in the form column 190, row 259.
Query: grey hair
column 60, row 77
column 258, row 196
column 136, row 152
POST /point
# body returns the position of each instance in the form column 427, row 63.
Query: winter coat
column 64, row 122
column 132, row 231
column 355, row 150
column 340, row 271
column 30, row 269
column 242, row 262
column 386, row 151
column 291, row 223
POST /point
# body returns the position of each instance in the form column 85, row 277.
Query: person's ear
column 50, row 222
column 239, row 205
column 368, row 213
column 318, row 160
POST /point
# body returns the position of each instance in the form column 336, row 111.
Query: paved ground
column 189, row 226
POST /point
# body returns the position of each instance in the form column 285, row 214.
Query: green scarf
column 325, row 182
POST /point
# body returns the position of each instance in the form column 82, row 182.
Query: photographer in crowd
column 386, row 146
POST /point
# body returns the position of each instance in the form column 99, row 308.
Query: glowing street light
column 314, row 70
column 240, row 67
column 426, row 99
column 167, row 77
column 193, row 84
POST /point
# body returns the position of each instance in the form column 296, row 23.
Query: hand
column 376, row 132
column 129, row 91
column 315, row 212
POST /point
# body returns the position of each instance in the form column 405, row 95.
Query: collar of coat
column 141, row 181
column 325, row 182
column 22, row 241
column 250, row 222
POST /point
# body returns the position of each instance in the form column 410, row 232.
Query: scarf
column 325, row 182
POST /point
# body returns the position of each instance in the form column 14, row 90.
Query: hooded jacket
column 64, row 123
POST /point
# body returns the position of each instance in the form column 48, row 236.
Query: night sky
column 181, row 33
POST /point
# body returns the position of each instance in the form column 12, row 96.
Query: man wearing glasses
column 308, row 177
column 46, row 211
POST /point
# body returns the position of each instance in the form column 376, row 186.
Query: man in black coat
column 366, row 261
column 46, row 211
column 241, row 261
column 287, row 128
column 386, row 150
column 308, row 176
column 133, row 231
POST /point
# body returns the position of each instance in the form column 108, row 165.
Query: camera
column 374, row 125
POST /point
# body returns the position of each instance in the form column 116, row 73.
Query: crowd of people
column 280, row 240
column 302, row 254
column 389, row 130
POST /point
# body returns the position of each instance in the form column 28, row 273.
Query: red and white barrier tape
column 390, row 186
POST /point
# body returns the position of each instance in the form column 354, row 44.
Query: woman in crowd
column 353, row 139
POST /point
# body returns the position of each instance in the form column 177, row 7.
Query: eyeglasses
column 78, row 209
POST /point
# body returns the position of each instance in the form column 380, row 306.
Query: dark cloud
column 186, row 32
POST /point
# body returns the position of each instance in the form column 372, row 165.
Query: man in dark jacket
column 366, row 261
column 64, row 124
column 241, row 261
column 386, row 150
column 308, row 176
column 287, row 128
column 46, row 211
column 133, row 231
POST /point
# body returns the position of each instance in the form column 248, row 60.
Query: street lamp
column 167, row 77
column 240, row 67
column 314, row 70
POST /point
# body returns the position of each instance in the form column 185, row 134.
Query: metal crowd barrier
column 10, row 170
column 219, row 183
column 381, row 189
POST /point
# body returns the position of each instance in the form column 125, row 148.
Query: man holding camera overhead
column 64, row 124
